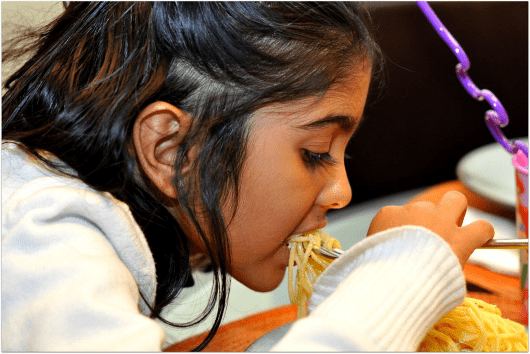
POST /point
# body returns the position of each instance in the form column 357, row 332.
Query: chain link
column 496, row 118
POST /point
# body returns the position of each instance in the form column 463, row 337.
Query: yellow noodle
column 304, row 253
column 478, row 327
column 474, row 325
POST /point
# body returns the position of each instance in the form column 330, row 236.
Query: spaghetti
column 475, row 326
column 304, row 252
column 472, row 326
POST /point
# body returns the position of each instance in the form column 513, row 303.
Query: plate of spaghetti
column 474, row 325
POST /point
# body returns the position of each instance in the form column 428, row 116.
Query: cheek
column 276, row 193
column 274, row 197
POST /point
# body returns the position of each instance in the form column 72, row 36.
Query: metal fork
column 506, row 243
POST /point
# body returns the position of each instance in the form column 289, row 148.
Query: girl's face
column 294, row 173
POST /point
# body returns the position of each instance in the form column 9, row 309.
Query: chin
column 263, row 283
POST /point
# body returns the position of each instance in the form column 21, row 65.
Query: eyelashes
column 314, row 160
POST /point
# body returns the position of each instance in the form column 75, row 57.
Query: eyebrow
column 346, row 123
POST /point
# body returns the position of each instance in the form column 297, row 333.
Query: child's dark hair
column 100, row 63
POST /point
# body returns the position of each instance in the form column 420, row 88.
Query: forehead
column 345, row 98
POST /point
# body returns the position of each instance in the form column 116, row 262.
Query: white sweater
column 74, row 262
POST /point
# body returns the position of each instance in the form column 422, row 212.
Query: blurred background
column 416, row 130
column 424, row 122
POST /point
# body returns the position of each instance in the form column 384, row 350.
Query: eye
column 314, row 160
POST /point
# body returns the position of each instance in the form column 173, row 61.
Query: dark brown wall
column 415, row 134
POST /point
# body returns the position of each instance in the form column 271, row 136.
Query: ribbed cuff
column 397, row 283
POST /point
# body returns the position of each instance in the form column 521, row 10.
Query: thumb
column 471, row 237
column 482, row 230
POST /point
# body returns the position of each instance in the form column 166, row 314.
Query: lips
column 321, row 226
column 305, row 231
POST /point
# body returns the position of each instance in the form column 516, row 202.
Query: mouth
column 288, row 242
column 303, row 232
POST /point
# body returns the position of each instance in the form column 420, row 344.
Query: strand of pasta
column 477, row 326
column 474, row 325
column 304, row 253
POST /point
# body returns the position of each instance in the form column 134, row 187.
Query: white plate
column 488, row 171
column 268, row 340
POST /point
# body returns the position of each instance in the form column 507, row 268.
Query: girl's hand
column 445, row 219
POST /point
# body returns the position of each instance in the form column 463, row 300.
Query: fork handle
column 517, row 243
column 502, row 243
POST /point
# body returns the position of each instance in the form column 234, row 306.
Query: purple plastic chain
column 495, row 118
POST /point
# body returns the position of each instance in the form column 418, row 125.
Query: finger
column 455, row 204
column 483, row 231
column 423, row 204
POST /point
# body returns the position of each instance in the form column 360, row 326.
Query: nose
column 337, row 192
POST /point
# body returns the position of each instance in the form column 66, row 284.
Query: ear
column 158, row 131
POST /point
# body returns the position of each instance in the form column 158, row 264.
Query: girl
column 140, row 137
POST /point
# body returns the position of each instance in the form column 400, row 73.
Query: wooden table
column 501, row 290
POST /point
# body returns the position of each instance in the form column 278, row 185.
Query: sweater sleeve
column 64, row 286
column 383, row 294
